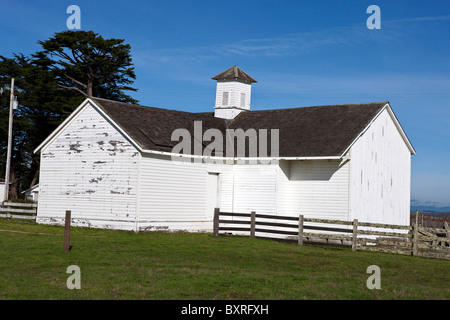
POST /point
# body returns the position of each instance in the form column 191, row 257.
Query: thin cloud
column 291, row 44
column 419, row 19
column 284, row 45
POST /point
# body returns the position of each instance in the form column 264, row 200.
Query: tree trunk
column 13, row 194
column 89, row 88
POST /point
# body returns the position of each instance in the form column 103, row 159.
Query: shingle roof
column 303, row 132
column 152, row 128
column 313, row 131
column 234, row 73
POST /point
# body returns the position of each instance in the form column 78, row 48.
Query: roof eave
column 193, row 156
column 62, row 125
column 388, row 107
column 77, row 110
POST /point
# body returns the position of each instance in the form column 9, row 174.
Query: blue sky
column 303, row 53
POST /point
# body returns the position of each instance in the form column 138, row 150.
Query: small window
column 242, row 100
column 225, row 99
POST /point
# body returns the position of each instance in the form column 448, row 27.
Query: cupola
column 233, row 93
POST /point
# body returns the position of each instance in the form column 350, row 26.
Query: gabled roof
column 152, row 128
column 234, row 73
column 313, row 131
column 307, row 132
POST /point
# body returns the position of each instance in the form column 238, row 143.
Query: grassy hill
column 177, row 266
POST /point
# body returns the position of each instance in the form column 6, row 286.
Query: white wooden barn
column 112, row 164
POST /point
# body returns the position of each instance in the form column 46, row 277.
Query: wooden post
column 355, row 233
column 447, row 229
column 252, row 224
column 216, row 222
column 300, row 230
column 67, row 231
column 416, row 234
column 8, row 151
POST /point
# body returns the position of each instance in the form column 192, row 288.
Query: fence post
column 447, row 229
column 355, row 233
column 216, row 222
column 67, row 231
column 252, row 224
column 416, row 234
column 300, row 230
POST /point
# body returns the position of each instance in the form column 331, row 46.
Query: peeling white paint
column 80, row 174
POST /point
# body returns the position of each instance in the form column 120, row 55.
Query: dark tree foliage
column 42, row 107
column 50, row 85
column 89, row 64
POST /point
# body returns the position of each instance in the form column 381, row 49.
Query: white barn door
column 212, row 194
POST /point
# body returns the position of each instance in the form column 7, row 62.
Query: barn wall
column 255, row 188
column 92, row 170
column 173, row 194
column 380, row 169
column 314, row 188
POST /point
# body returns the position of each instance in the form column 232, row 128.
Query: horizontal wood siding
column 314, row 188
column 90, row 169
column 172, row 190
column 173, row 194
column 380, row 174
column 255, row 188
column 235, row 88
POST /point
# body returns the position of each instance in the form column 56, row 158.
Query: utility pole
column 8, row 158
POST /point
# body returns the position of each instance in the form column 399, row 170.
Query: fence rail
column 400, row 239
column 18, row 210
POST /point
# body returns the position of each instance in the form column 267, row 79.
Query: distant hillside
column 430, row 209
column 433, row 213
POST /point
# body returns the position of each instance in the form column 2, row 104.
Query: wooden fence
column 409, row 240
column 18, row 210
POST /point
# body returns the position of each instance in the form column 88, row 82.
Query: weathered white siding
column 380, row 169
column 314, row 188
column 90, row 169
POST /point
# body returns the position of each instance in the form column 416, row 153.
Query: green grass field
column 177, row 266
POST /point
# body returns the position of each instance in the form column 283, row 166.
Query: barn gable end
column 380, row 169
column 90, row 168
